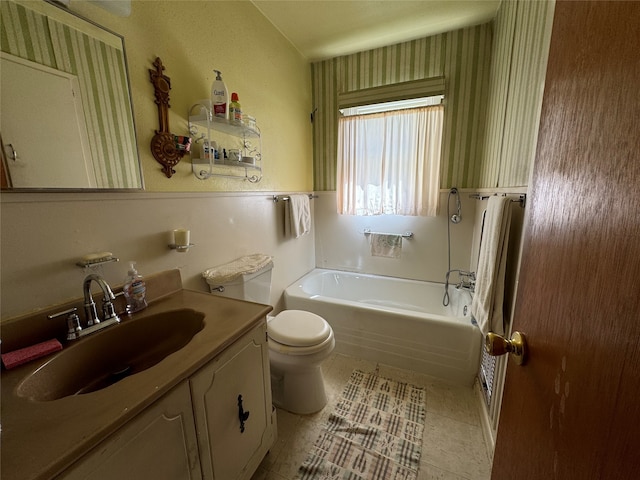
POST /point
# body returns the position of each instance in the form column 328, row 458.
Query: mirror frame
column 53, row 13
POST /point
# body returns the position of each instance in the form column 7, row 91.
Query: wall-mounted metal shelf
column 204, row 127
column 222, row 125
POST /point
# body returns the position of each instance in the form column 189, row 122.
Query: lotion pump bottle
column 134, row 290
column 219, row 96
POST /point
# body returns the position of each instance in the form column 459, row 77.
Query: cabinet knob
column 242, row 415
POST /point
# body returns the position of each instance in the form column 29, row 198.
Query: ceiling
column 322, row 29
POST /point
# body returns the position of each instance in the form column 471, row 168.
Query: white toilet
column 299, row 341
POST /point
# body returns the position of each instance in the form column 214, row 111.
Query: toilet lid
column 298, row 328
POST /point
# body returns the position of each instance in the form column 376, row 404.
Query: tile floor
column 453, row 444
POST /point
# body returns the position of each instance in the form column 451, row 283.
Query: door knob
column 497, row 345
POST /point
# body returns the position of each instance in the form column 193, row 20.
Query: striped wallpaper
column 101, row 72
column 494, row 84
column 519, row 59
column 467, row 70
column 462, row 56
column 498, row 89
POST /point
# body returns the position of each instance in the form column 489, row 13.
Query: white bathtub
column 397, row 322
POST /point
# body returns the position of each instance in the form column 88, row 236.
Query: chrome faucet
column 74, row 329
column 107, row 302
column 467, row 281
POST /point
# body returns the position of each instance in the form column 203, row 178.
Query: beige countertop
column 41, row 439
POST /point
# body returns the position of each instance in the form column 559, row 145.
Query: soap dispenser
column 135, row 290
column 219, row 96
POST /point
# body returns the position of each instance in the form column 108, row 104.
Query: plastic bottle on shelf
column 135, row 290
column 235, row 112
column 219, row 96
column 209, row 150
column 213, row 151
column 205, row 150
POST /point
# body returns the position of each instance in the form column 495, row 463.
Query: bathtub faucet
column 467, row 281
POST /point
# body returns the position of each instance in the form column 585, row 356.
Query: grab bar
column 367, row 231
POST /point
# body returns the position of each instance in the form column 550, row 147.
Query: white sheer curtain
column 388, row 163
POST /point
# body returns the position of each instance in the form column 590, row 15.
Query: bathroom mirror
column 66, row 116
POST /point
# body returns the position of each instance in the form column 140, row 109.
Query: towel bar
column 522, row 198
column 368, row 231
column 285, row 198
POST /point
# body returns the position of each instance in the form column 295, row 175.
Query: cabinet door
column 227, row 450
column 160, row 443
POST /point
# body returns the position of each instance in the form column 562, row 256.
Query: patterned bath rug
column 374, row 433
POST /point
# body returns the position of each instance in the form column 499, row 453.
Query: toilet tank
column 246, row 278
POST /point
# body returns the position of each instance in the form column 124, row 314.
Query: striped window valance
column 390, row 93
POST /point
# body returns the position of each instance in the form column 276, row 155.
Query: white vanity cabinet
column 160, row 443
column 235, row 383
column 196, row 431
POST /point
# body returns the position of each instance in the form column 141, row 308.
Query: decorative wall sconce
column 181, row 240
column 167, row 148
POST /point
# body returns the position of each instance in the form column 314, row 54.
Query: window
column 389, row 158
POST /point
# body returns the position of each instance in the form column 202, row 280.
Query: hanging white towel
column 297, row 216
column 486, row 307
column 386, row 245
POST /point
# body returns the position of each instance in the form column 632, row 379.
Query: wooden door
column 573, row 411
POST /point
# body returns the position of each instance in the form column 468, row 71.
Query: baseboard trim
column 485, row 421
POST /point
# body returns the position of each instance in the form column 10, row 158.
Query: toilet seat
column 298, row 328
column 294, row 351
column 297, row 332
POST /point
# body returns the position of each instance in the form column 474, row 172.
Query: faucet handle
column 108, row 309
column 73, row 322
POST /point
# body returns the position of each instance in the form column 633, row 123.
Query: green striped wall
column 100, row 68
column 462, row 56
column 498, row 92
column 467, row 70
column 519, row 58
column 35, row 44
